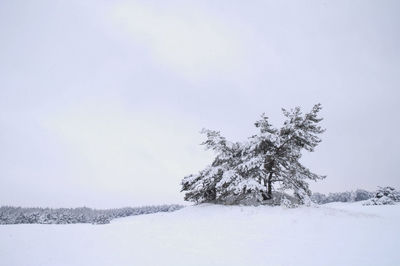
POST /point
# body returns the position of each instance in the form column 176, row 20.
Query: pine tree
column 384, row 196
column 249, row 171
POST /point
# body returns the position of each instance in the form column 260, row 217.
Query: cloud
column 186, row 40
column 130, row 153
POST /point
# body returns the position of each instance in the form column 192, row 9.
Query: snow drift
column 331, row 234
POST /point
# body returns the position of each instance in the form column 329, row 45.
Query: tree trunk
column 269, row 181
column 269, row 166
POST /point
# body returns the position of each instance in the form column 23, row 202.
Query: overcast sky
column 101, row 102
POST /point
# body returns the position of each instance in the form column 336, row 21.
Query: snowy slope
column 332, row 234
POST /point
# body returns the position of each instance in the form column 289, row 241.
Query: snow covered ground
column 332, row 234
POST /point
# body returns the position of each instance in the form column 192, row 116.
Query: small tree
column 384, row 196
column 251, row 170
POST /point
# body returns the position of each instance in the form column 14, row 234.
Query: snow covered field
column 332, row 234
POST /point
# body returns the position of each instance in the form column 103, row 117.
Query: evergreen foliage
column 384, row 196
column 252, row 172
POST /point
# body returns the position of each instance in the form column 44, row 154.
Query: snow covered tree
column 362, row 194
column 318, row 198
column 249, row 172
column 384, row 196
column 18, row 215
column 348, row 196
column 222, row 179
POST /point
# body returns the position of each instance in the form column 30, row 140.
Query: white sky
column 101, row 102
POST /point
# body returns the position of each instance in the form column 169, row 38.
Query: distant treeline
column 348, row 196
column 19, row 215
